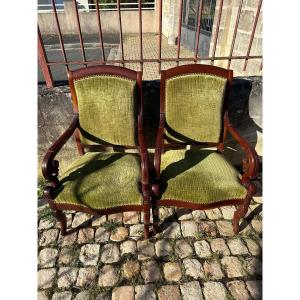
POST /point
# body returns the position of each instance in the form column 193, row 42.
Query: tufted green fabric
column 199, row 176
column 107, row 110
column 101, row 180
column 193, row 107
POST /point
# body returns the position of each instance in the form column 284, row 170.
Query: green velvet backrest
column 107, row 107
column 193, row 104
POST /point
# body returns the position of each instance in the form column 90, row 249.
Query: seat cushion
column 199, row 176
column 102, row 180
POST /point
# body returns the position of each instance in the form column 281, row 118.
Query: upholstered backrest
column 107, row 107
column 193, row 107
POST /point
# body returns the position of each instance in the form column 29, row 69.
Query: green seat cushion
column 194, row 107
column 107, row 108
column 101, row 180
column 199, row 176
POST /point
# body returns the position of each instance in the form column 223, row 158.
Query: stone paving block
column 99, row 221
column 66, row 277
column 225, row 228
column 238, row 290
column 172, row 271
column 131, row 217
column 198, row 215
column 145, row 250
column 123, row 293
column 213, row 214
column 131, row 269
column 47, row 257
column 136, row 231
column 165, row 212
column 49, row 237
column 202, row 249
column 193, row 268
column 253, row 247
column 108, row 276
column 84, row 295
column 46, row 223
column 103, row 296
column 257, row 225
column 42, row 295
column 68, row 240
column 183, row 249
column 86, row 276
column 191, row 291
column 101, row 235
column 253, row 266
column 110, row 253
column 219, row 246
column 237, row 247
column 150, row 271
column 232, row 266
column 85, row 235
column 128, row 247
column 212, row 270
column 46, row 278
column 228, row 212
column 89, row 254
column 116, row 217
column 119, row 235
column 184, row 214
column 67, row 255
column 189, row 228
column 62, row 296
column 145, row 292
column 163, row 248
column 214, row 291
column 172, row 230
column 168, row 292
column 80, row 218
column 208, row 228
column 255, row 289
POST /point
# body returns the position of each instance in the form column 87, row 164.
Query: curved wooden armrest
column 49, row 165
column 251, row 162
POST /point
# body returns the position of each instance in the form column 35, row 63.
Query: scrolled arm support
column 49, row 165
column 250, row 162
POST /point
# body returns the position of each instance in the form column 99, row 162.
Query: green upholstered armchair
column 104, row 179
column 190, row 170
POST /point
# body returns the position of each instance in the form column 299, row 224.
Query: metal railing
column 45, row 64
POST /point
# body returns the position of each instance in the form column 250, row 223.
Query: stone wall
column 55, row 114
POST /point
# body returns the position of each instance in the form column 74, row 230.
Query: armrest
column 49, row 165
column 251, row 162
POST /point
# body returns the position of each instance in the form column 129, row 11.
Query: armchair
column 190, row 170
column 108, row 118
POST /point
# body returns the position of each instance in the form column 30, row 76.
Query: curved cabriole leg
column 243, row 208
column 155, row 211
column 146, row 221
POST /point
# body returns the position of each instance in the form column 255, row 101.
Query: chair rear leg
column 60, row 216
column 243, row 208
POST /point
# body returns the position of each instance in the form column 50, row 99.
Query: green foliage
column 111, row 225
column 40, row 188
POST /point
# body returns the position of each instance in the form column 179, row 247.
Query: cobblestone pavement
column 196, row 256
column 150, row 50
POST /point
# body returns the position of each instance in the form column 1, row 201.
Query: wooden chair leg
column 243, row 208
column 146, row 222
column 60, row 216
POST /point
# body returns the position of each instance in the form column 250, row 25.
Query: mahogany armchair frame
column 50, row 166
column 250, row 162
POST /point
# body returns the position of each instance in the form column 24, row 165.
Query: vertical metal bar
column 59, row 34
column 252, row 34
column 141, row 33
column 235, row 31
column 79, row 31
column 179, row 30
column 160, row 36
column 217, row 32
column 44, row 61
column 121, row 33
column 199, row 15
column 100, row 31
